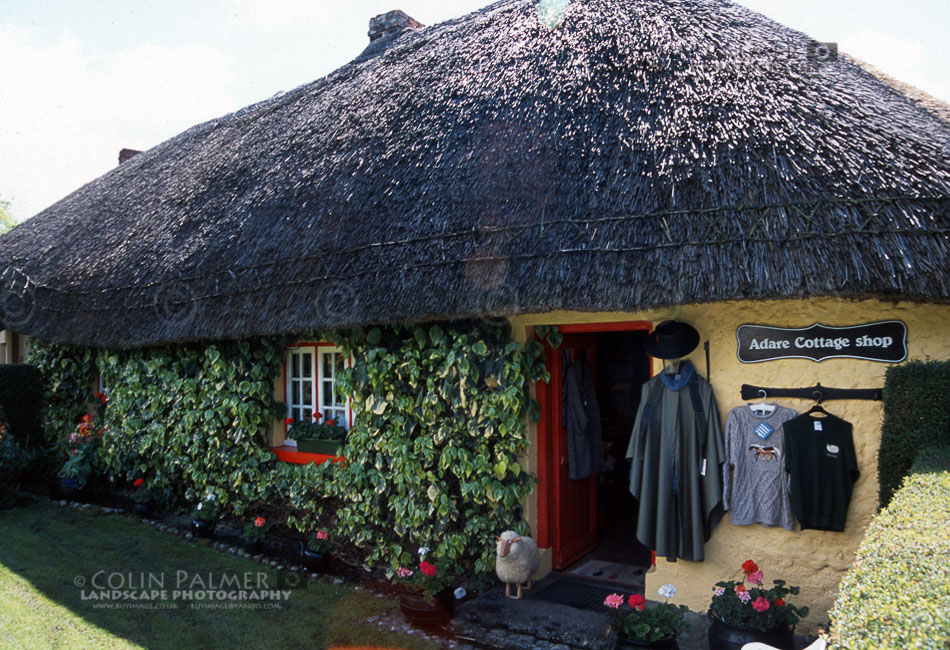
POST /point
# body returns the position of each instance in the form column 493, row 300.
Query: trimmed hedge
column 21, row 401
column 897, row 592
column 916, row 416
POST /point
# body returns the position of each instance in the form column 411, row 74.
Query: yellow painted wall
column 814, row 560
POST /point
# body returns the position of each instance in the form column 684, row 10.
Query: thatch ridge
column 642, row 153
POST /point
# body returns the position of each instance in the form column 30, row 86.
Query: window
column 332, row 405
column 311, row 384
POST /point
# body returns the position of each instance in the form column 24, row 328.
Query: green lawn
column 51, row 556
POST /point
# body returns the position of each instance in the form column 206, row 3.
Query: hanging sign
column 885, row 341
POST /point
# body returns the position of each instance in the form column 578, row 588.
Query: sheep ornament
column 516, row 561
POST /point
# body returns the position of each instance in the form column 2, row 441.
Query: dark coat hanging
column 680, row 503
column 581, row 416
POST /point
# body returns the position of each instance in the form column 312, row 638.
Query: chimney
column 126, row 154
column 392, row 22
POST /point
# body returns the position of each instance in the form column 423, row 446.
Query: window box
column 314, row 446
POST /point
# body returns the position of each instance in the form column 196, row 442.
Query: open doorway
column 593, row 520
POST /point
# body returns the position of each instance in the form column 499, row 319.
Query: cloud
column 67, row 111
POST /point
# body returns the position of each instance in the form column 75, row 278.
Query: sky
column 81, row 79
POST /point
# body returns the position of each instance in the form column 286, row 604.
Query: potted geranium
column 316, row 438
column 426, row 596
column 641, row 625
column 145, row 497
column 205, row 517
column 746, row 611
column 81, row 448
column 254, row 534
column 315, row 553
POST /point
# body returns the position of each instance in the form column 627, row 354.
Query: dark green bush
column 13, row 460
column 21, row 400
column 916, row 416
column 897, row 592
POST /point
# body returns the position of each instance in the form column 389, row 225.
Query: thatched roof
column 640, row 153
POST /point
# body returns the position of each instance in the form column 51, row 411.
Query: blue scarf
column 679, row 381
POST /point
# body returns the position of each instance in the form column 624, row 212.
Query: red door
column 575, row 501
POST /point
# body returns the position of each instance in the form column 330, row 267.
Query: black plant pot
column 314, row 561
column 202, row 528
column 143, row 509
column 726, row 637
column 663, row 644
column 255, row 547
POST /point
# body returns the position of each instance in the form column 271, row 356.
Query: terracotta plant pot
column 726, row 637
column 416, row 609
column 662, row 644
column 202, row 528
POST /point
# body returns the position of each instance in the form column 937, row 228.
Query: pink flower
column 614, row 601
column 259, row 522
column 755, row 577
column 720, row 591
column 322, row 534
column 745, row 596
column 403, row 572
column 637, row 601
column 760, row 604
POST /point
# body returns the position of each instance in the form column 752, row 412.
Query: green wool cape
column 678, row 506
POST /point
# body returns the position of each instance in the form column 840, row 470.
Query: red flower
column 139, row 482
column 428, row 569
column 779, row 602
column 749, row 567
column 331, row 422
column 637, row 601
column 322, row 534
column 289, row 421
column 259, row 522
column 740, row 588
column 317, row 415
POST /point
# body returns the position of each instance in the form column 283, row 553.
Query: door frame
column 549, row 400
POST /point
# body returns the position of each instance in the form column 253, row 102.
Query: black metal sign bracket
column 817, row 392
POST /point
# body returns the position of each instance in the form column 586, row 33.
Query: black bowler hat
column 672, row 339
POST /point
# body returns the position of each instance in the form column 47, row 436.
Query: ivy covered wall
column 432, row 457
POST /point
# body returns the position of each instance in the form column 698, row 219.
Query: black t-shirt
column 822, row 469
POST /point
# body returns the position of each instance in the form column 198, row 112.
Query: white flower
column 460, row 593
column 211, row 496
column 199, row 506
column 423, row 550
column 667, row 591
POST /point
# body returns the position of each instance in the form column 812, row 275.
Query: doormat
column 581, row 595
column 625, row 574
